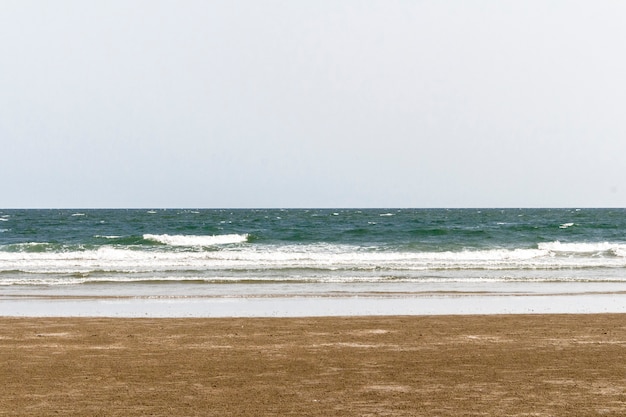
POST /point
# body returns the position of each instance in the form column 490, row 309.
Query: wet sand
column 495, row 365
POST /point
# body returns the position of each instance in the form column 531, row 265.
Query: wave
column 33, row 247
column 135, row 243
column 195, row 240
column 122, row 241
column 249, row 260
column 581, row 248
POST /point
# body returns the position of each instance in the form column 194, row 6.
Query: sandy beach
column 504, row 365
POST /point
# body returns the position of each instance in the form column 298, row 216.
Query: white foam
column 583, row 247
column 340, row 263
column 566, row 225
column 194, row 240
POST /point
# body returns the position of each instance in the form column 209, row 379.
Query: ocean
column 186, row 254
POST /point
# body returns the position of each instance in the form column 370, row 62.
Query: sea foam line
column 250, row 258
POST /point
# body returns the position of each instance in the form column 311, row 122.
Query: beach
column 320, row 312
column 446, row 365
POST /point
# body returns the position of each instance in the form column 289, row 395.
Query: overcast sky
column 312, row 103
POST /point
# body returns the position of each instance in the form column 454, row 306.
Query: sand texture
column 518, row 365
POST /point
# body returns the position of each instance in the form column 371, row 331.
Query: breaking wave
column 194, row 240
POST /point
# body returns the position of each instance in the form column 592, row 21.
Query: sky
column 353, row 103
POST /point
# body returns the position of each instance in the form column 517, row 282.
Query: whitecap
column 78, row 214
column 583, row 248
column 196, row 240
column 566, row 225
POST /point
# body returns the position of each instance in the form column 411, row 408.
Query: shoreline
column 447, row 365
column 428, row 304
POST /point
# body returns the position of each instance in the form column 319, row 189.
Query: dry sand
column 519, row 365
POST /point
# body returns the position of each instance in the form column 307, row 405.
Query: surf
column 195, row 240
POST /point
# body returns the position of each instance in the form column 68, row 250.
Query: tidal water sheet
column 311, row 262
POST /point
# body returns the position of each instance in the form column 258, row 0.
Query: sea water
column 189, row 255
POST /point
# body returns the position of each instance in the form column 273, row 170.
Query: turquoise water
column 317, row 251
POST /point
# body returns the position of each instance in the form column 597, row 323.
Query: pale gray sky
column 349, row 103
